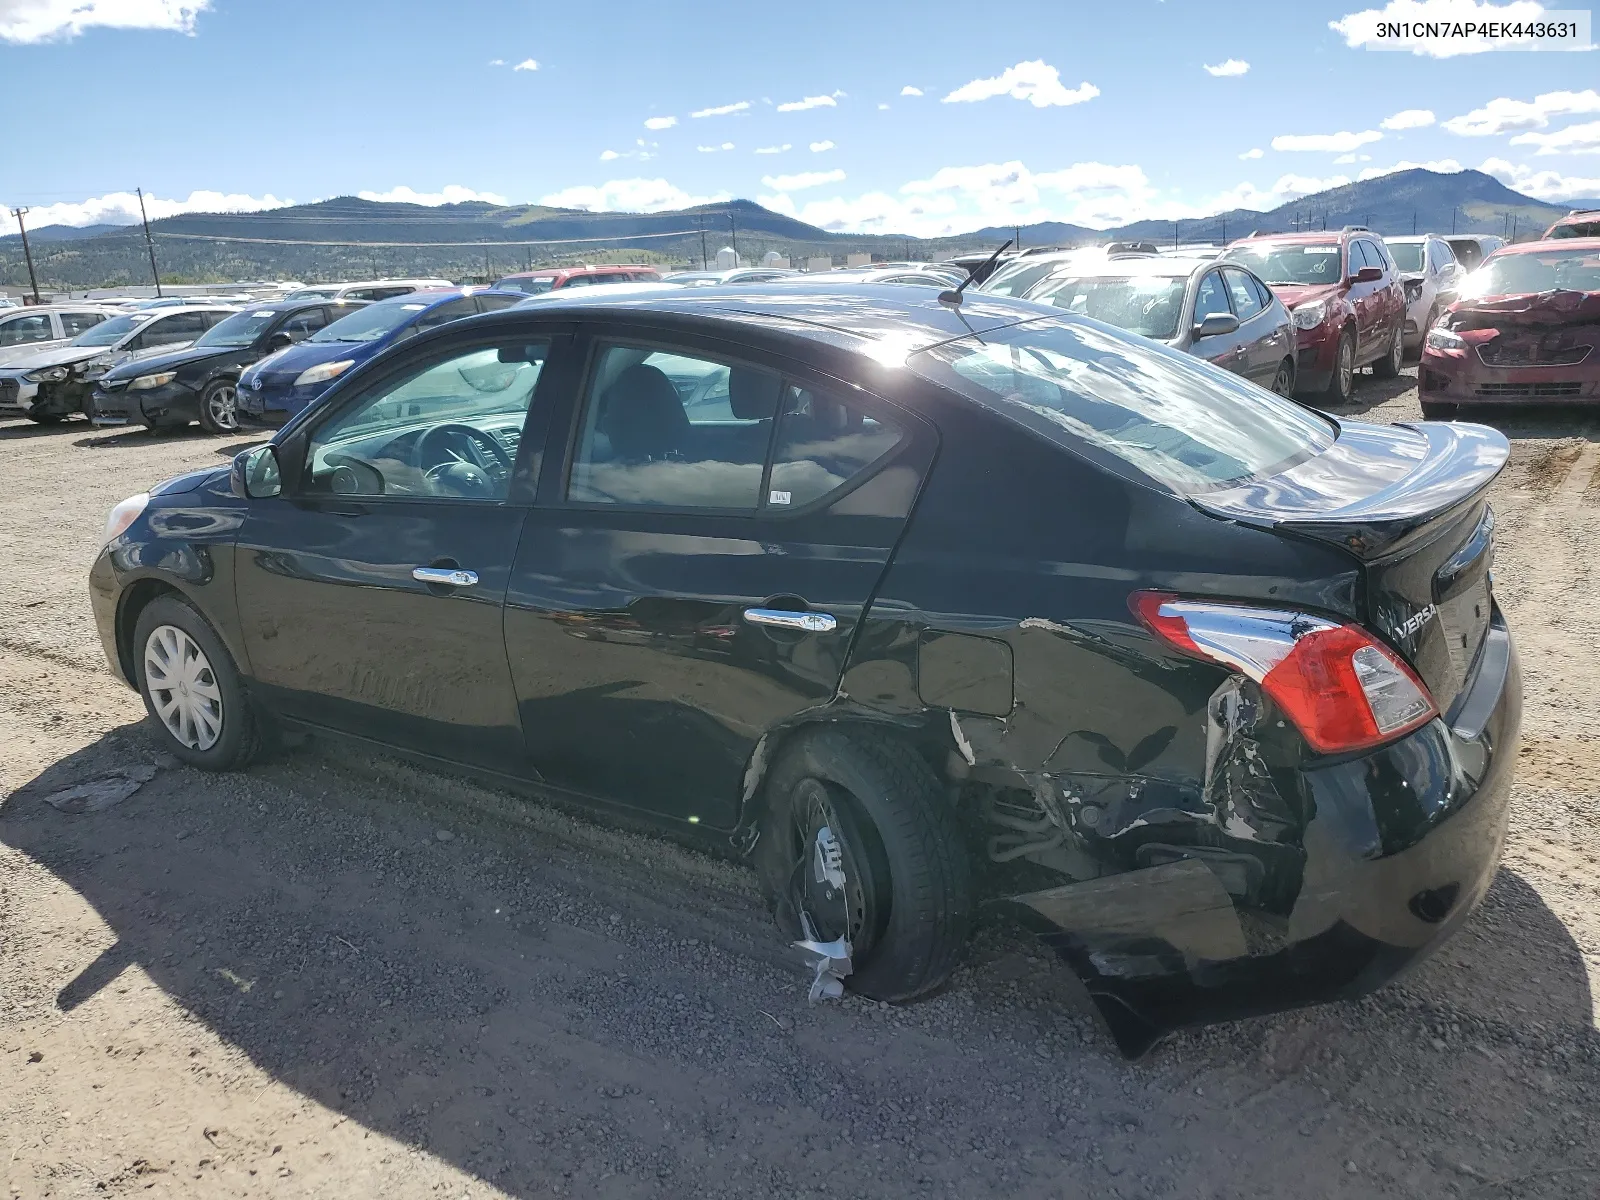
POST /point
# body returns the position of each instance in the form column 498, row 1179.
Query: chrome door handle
column 448, row 576
column 783, row 618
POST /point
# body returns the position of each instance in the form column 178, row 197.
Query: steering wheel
column 432, row 444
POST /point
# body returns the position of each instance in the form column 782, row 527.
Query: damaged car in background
column 1526, row 330
column 930, row 606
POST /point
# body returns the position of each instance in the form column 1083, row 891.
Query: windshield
column 370, row 323
column 1407, row 255
column 109, row 332
column 531, row 286
column 238, row 330
column 1552, row 270
column 1178, row 419
column 1291, row 262
column 1149, row 305
column 1577, row 229
column 1014, row 279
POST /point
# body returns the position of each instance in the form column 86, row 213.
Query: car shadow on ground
column 23, row 429
column 138, row 435
column 472, row 997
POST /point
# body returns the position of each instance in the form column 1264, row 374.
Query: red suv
column 548, row 280
column 1579, row 223
column 1345, row 296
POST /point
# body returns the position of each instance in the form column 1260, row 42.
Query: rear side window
column 1176, row 418
column 74, row 323
column 824, row 442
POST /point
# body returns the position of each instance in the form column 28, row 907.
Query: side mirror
column 1215, row 325
column 255, row 474
column 279, row 340
column 1367, row 275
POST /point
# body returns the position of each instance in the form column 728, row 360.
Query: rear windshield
column 1149, row 305
column 1547, row 271
column 531, row 286
column 1291, row 262
column 1176, row 418
column 1014, row 279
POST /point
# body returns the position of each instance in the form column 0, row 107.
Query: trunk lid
column 1409, row 502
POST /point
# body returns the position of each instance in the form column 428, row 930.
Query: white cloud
column 1360, row 30
column 882, row 106
column 1574, row 139
column 497, row 62
column 25, row 22
column 1254, row 152
column 722, row 110
column 1234, row 66
column 527, row 64
column 452, row 194
column 122, row 208
column 1409, row 118
column 661, row 122
column 628, row 195
column 773, row 149
column 908, row 90
column 1330, row 143
column 1541, row 185
column 819, row 147
column 714, row 149
column 1035, row 81
column 1343, row 159
column 608, row 155
column 1503, row 115
column 809, row 102
column 805, row 179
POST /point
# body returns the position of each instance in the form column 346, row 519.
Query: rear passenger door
column 710, row 528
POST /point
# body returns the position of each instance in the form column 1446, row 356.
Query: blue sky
column 1090, row 113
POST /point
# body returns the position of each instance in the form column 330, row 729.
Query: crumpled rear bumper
column 1402, row 845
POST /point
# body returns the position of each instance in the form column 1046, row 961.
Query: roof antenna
column 953, row 296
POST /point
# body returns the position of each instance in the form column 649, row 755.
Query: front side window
column 1246, row 303
column 303, row 324
column 672, row 430
column 1176, row 418
column 1210, row 297
column 20, row 331
column 448, row 430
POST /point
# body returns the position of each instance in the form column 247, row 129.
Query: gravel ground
column 343, row 976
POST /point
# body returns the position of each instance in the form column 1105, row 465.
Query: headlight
column 124, row 514
column 1309, row 316
column 1442, row 339
column 323, row 372
column 145, row 382
column 48, row 375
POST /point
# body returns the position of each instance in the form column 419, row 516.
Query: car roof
column 428, row 297
column 1324, row 235
column 552, row 272
column 1416, row 237
column 1545, row 245
column 850, row 315
column 1172, row 266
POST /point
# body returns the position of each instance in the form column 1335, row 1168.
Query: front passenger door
column 1225, row 350
column 1258, row 336
column 370, row 593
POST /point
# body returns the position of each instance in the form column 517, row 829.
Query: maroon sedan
column 1345, row 296
column 1527, row 328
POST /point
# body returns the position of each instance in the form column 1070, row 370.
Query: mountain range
column 479, row 240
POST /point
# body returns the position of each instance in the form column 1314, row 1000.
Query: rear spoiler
column 1458, row 465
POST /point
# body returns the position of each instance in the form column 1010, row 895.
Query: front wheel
column 859, row 841
column 219, row 407
column 1389, row 365
column 1342, row 383
column 191, row 688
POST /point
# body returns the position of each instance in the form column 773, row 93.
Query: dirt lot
column 341, row 976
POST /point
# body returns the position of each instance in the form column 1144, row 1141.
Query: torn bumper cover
column 1400, row 845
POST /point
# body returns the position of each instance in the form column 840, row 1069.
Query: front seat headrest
column 643, row 415
column 753, row 394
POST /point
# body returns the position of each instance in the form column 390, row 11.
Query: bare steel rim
column 222, row 402
column 1283, row 381
column 1397, row 352
column 183, row 688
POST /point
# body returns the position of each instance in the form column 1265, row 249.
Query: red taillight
column 1342, row 688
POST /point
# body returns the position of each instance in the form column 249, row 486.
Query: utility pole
column 1018, row 232
column 148, row 243
column 1224, row 231
column 1175, row 234
column 705, row 263
column 733, row 238
column 33, row 280
column 1453, row 211
column 1413, row 222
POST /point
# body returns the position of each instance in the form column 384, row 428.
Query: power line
column 619, row 237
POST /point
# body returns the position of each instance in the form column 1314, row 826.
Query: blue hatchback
column 280, row 385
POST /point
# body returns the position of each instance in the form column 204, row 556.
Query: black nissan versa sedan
column 923, row 606
column 200, row 382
